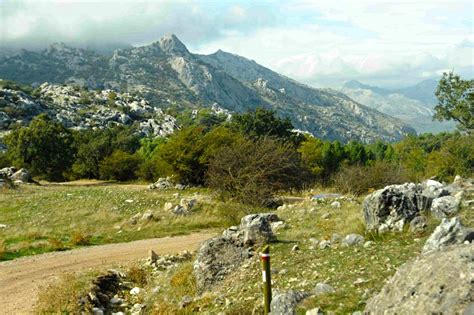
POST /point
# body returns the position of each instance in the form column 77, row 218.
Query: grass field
column 58, row 217
column 44, row 215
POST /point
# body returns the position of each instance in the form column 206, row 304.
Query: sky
column 387, row 43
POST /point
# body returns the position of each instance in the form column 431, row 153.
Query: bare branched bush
column 358, row 180
column 252, row 172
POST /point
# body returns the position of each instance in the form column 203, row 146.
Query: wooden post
column 266, row 277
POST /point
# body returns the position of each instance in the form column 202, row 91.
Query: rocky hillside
column 413, row 105
column 166, row 73
column 83, row 109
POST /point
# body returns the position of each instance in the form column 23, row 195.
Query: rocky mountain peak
column 171, row 44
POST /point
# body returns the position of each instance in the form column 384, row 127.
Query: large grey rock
column 21, row 175
column 445, row 206
column 162, row 184
column 436, row 283
column 391, row 207
column 215, row 259
column 449, row 232
column 284, row 303
column 257, row 228
column 221, row 255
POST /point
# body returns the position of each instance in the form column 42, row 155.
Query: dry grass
column 62, row 296
column 138, row 275
column 3, row 249
column 40, row 217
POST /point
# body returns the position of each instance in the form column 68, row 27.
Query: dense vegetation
column 250, row 156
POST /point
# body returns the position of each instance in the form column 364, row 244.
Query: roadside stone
column 314, row 311
column 136, row 291
column 22, row 176
column 323, row 288
column 277, row 226
column 353, row 240
column 152, row 257
column 368, row 244
column 168, row 206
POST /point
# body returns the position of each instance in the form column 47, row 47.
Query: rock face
column 449, row 232
column 165, row 72
column 436, row 283
column 393, row 206
column 219, row 256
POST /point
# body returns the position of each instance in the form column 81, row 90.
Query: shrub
column 358, row 180
column 138, row 276
column 79, row 238
column 119, row 166
column 252, row 172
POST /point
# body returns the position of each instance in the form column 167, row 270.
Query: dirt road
column 20, row 278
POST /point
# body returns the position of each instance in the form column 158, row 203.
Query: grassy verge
column 51, row 218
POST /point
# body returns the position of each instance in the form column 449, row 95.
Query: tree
column 455, row 100
column 265, row 123
column 45, row 148
column 120, row 166
column 93, row 146
column 252, row 172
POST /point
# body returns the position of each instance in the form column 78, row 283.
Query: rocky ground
column 83, row 109
column 389, row 252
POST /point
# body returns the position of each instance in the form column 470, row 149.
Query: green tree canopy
column 456, row 101
column 45, row 148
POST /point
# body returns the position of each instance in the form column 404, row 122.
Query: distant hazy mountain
column 413, row 105
column 165, row 73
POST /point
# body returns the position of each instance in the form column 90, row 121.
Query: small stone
column 152, row 257
column 359, row 281
column 185, row 301
column 136, row 291
column 323, row 288
column 3, row 226
column 335, row 238
column 418, row 225
column 336, row 204
column 368, row 244
column 314, row 311
column 325, row 216
column 324, row 244
column 353, row 240
column 295, row 248
column 129, row 200
column 97, row 311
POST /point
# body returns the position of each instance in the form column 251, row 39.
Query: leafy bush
column 252, row 172
column 79, row 238
column 119, row 166
column 358, row 179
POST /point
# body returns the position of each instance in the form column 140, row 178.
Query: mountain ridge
column 166, row 73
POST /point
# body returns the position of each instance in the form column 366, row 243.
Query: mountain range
column 165, row 73
column 413, row 105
